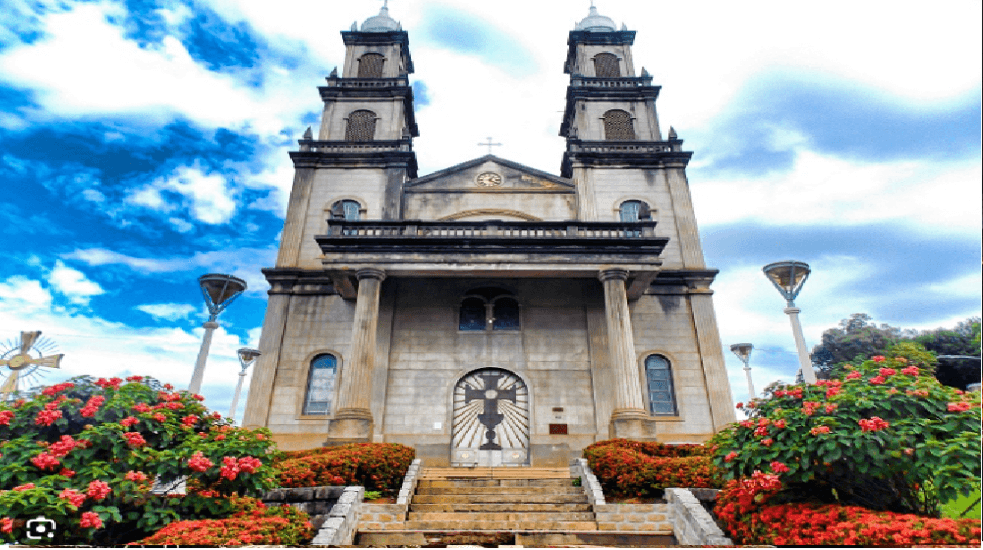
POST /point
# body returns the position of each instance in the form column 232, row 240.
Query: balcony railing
column 355, row 146
column 626, row 82
column 603, row 147
column 491, row 230
column 367, row 82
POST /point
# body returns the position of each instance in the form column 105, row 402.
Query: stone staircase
column 532, row 507
column 499, row 499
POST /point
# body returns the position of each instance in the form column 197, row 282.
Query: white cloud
column 244, row 263
column 831, row 191
column 73, row 284
column 23, row 295
column 168, row 312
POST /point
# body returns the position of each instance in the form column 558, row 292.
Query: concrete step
column 449, row 525
column 500, row 499
column 495, row 473
column 511, row 507
column 501, row 516
column 528, row 539
column 499, row 490
column 452, row 483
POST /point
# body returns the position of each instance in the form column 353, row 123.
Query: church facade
column 489, row 313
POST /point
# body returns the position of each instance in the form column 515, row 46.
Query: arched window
column 658, row 375
column 346, row 210
column 473, row 314
column 633, row 211
column 489, row 309
column 505, row 314
column 370, row 65
column 320, row 385
column 618, row 125
column 606, row 66
column 361, row 126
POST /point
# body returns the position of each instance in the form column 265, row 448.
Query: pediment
column 490, row 174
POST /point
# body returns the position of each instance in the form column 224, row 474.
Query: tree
column 958, row 350
column 855, row 339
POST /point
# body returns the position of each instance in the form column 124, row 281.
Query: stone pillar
column 629, row 417
column 260, row 395
column 292, row 236
column 712, row 355
column 682, row 207
column 353, row 419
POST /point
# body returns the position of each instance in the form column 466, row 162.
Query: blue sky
column 144, row 143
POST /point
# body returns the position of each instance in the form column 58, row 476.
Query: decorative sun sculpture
column 23, row 359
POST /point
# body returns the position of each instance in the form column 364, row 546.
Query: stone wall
column 691, row 523
column 648, row 518
column 334, row 511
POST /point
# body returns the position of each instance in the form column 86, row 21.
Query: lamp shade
column 742, row 350
column 248, row 355
column 219, row 291
column 788, row 277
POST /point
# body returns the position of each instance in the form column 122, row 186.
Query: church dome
column 381, row 22
column 595, row 22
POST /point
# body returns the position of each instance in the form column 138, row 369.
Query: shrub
column 887, row 436
column 86, row 453
column 252, row 524
column 745, row 509
column 645, row 469
column 375, row 466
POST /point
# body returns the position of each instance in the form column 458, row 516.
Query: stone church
column 490, row 313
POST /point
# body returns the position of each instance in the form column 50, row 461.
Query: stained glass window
column 606, row 66
column 506, row 314
column 658, row 376
column 320, row 385
column 361, row 126
column 370, row 65
column 473, row 314
column 618, row 125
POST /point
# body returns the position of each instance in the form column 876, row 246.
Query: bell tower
column 363, row 153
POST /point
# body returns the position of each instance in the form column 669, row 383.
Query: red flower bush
column 889, row 438
column 254, row 525
column 85, row 454
column 375, row 466
column 746, row 509
column 645, row 469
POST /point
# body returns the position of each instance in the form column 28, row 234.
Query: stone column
column 353, row 419
column 629, row 416
column 682, row 208
column 260, row 396
column 712, row 355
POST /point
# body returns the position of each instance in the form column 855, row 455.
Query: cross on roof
column 489, row 145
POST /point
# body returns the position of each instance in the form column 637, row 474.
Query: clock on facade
column 489, row 179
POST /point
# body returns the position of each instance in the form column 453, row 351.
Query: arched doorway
column 491, row 420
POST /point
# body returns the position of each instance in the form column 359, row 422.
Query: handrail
column 491, row 229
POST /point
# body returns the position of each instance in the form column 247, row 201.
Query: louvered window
column 618, row 126
column 633, row 211
column 606, row 66
column 658, row 376
column 361, row 126
column 370, row 65
column 320, row 385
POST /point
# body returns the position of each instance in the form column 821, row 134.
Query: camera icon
column 41, row 527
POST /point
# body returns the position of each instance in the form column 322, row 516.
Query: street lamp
column 246, row 358
column 788, row 278
column 743, row 351
column 219, row 291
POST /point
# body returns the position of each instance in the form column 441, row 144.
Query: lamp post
column 743, row 351
column 788, row 277
column 219, row 291
column 246, row 358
